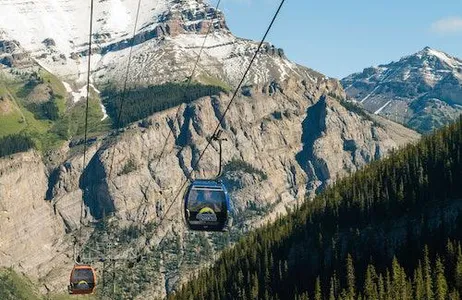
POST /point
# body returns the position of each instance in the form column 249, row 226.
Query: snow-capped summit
column 423, row 90
column 66, row 22
column 434, row 57
column 56, row 32
column 427, row 65
column 168, row 36
column 433, row 65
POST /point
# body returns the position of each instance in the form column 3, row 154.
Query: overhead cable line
column 86, row 123
column 217, row 128
column 164, row 146
column 124, row 90
column 220, row 120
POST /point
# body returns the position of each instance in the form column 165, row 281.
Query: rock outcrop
column 32, row 240
column 338, row 142
column 11, row 53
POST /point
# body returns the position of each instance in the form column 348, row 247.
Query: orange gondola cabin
column 83, row 280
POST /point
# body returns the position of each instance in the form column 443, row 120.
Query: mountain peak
column 421, row 89
column 66, row 22
column 436, row 55
column 428, row 51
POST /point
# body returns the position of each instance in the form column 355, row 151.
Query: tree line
column 437, row 276
column 15, row 143
column 142, row 102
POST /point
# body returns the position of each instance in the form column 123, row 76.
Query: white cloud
column 447, row 25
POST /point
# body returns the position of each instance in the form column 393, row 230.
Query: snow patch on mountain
column 80, row 94
column 67, row 21
column 368, row 95
column 380, row 109
column 68, row 87
column 119, row 18
column 224, row 57
column 450, row 61
column 103, row 109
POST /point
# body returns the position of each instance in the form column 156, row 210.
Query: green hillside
column 35, row 104
column 390, row 231
column 16, row 287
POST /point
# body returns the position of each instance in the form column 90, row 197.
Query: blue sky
column 339, row 37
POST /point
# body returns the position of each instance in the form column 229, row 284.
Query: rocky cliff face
column 180, row 18
column 11, row 54
column 423, row 90
column 294, row 135
column 337, row 141
column 32, row 233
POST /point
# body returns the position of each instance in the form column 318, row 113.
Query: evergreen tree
column 388, row 286
column 254, row 287
column 428, row 282
column 454, row 295
column 350, row 277
column 418, row 282
column 304, row 296
column 370, row 284
column 15, row 143
column 400, row 289
column 142, row 102
column 317, row 289
column 440, row 280
column 332, row 290
column 396, row 279
column 458, row 270
column 381, row 288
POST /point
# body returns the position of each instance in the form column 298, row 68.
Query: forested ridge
column 392, row 230
column 142, row 102
column 15, row 143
